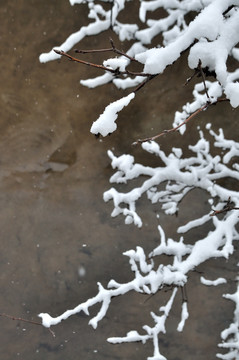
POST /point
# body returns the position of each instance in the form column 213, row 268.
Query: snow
column 230, row 336
column 184, row 316
column 216, row 282
column 201, row 170
column 232, row 93
column 116, row 63
column 210, row 39
column 105, row 124
column 97, row 81
column 92, row 29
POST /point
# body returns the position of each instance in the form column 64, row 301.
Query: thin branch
column 203, row 79
column 164, row 132
column 228, row 207
column 111, row 14
column 26, row 321
column 113, row 49
column 184, row 293
column 166, row 288
column 217, row 212
column 102, row 67
column 61, row 52
column 191, row 77
column 229, row 9
column 122, row 52
column 201, row 71
column 92, row 51
column 150, row 77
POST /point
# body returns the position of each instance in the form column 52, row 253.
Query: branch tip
column 59, row 52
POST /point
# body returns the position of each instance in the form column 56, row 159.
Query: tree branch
column 150, row 77
column 164, row 132
column 113, row 48
column 26, row 321
column 203, row 79
column 102, row 67
column 228, row 207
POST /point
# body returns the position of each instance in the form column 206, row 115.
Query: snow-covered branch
column 149, row 279
column 210, row 39
column 180, row 175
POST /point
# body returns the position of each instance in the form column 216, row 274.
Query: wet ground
column 53, row 221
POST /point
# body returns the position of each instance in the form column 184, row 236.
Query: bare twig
column 229, row 9
column 111, row 14
column 92, row 51
column 228, row 207
column 102, row 67
column 184, row 293
column 165, row 288
column 191, row 77
column 150, row 77
column 199, row 71
column 165, row 132
column 61, row 52
column 26, row 321
column 117, row 51
column 203, row 79
column 113, row 49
